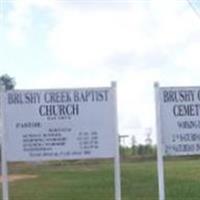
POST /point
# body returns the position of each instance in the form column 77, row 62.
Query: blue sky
column 81, row 43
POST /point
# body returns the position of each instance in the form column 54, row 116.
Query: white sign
column 180, row 120
column 60, row 124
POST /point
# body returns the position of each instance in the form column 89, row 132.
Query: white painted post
column 4, row 166
column 117, row 155
column 160, row 164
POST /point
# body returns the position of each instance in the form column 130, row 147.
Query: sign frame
column 174, row 107
column 116, row 154
column 160, row 162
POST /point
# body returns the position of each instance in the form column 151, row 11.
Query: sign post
column 178, row 124
column 117, row 155
column 4, row 166
column 160, row 165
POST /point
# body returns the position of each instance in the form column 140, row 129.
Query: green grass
column 183, row 180
column 93, row 180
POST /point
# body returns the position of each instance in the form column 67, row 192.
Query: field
column 93, row 180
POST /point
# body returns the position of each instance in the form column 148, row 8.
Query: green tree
column 141, row 149
column 7, row 82
column 133, row 146
column 148, row 142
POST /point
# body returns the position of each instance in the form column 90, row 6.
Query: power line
column 193, row 8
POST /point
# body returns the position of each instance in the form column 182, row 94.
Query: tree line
column 147, row 149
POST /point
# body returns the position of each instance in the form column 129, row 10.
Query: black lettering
column 57, row 97
column 178, row 95
column 59, row 110
column 14, row 98
column 180, row 110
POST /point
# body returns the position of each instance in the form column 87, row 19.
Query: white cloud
column 189, row 57
column 1, row 16
column 135, row 45
column 85, row 39
column 19, row 19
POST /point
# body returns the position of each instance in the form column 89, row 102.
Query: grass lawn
column 94, row 181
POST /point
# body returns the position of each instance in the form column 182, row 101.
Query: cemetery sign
column 180, row 120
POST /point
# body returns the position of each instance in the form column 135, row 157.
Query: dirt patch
column 16, row 177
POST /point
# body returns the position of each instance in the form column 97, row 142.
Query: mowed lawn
column 94, row 180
